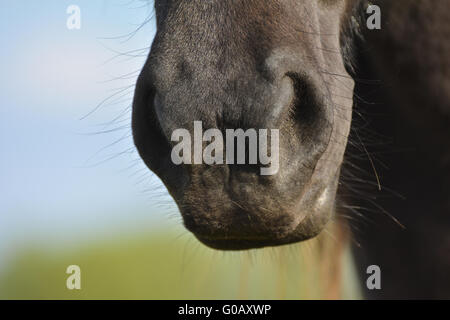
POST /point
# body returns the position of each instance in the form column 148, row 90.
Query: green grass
column 159, row 266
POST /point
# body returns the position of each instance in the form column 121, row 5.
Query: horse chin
column 307, row 229
column 312, row 221
column 243, row 244
column 233, row 226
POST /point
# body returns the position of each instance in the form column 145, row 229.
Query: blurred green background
column 163, row 266
column 73, row 190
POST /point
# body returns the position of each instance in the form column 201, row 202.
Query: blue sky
column 55, row 182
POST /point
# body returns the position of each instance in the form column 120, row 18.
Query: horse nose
column 284, row 98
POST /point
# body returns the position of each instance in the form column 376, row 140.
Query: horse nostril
column 162, row 116
column 157, row 105
column 306, row 108
column 285, row 97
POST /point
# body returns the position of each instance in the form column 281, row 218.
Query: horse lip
column 312, row 215
column 231, row 244
column 302, row 231
column 246, row 243
column 306, row 219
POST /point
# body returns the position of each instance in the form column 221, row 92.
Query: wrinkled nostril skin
column 225, row 76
